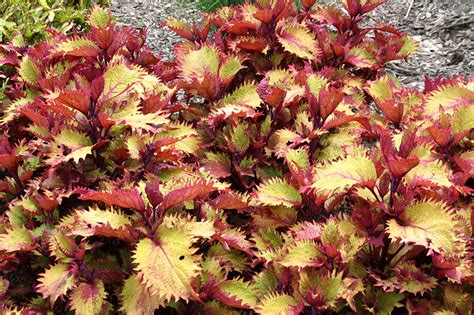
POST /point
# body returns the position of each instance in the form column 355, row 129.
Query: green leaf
column 13, row 110
column 297, row 159
column 245, row 94
column 276, row 192
column 449, row 97
column 242, row 292
column 432, row 173
column 386, row 302
column 99, row 17
column 120, row 78
column 427, row 223
column 240, row 138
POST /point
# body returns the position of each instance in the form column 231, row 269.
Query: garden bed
column 443, row 29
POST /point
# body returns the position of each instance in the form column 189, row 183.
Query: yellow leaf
column 427, row 223
column 55, row 282
column 278, row 304
column 29, row 71
column 137, row 299
column 88, row 299
column 463, row 118
column 277, row 192
column 99, row 17
column 296, row 39
column 167, row 266
column 341, row 175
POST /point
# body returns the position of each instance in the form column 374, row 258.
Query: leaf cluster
column 274, row 168
column 28, row 21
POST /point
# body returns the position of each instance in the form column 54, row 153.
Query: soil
column 442, row 27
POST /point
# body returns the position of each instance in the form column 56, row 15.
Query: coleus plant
column 272, row 169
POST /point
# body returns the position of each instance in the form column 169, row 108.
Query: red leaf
column 307, row 4
column 229, row 200
column 104, row 37
column 393, row 111
column 400, row 166
column 129, row 198
column 190, row 191
column 240, row 28
column 9, row 162
column 345, row 119
column 79, row 100
column 264, row 16
column 153, row 192
column 440, row 135
column 329, row 99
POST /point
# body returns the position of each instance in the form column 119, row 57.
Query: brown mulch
column 444, row 31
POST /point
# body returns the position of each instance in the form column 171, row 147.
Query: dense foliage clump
column 273, row 168
column 28, row 21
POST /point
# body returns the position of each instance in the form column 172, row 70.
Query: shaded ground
column 443, row 28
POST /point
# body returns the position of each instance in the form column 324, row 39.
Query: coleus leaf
column 129, row 198
column 197, row 64
column 121, row 77
column 102, row 222
column 78, row 100
column 463, row 119
column 429, row 224
column 296, row 39
column 449, row 97
column 29, row 71
column 16, row 239
column 357, row 7
column 55, row 282
column 76, row 47
column 277, row 192
column 189, row 190
column 301, row 254
column 386, row 302
column 433, row 174
column 276, row 303
column 235, row 238
column 305, row 231
column 361, row 58
column 137, row 298
column 407, row 278
column 78, row 143
column 180, row 28
column 3, row 287
column 235, row 293
column 167, row 265
column 341, row 175
column 88, row 298
column 14, row 109
column 99, row 17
